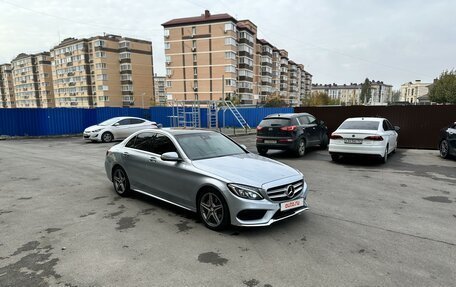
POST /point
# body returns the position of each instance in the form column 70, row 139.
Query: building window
column 194, row 44
column 168, row 59
column 125, row 55
column 125, row 67
column 230, row 41
column 230, row 82
column 168, row 84
column 100, row 54
column 103, row 98
column 127, row 88
column 166, row 32
column 125, row 77
column 230, row 69
column 195, row 57
column 230, row 27
column 124, row 44
column 103, row 88
column 169, row 72
column 102, row 77
column 167, row 45
column 193, row 31
column 230, row 55
column 100, row 43
column 195, row 71
column 100, row 66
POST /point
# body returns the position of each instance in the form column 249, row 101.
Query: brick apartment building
column 211, row 57
column 6, row 87
column 103, row 71
column 32, row 78
column 160, row 90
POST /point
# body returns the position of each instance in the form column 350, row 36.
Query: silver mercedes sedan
column 208, row 173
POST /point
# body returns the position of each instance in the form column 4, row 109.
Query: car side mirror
column 115, row 125
column 321, row 123
column 170, row 156
column 396, row 128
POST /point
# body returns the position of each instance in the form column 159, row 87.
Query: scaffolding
column 187, row 113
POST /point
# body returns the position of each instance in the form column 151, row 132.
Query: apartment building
column 350, row 94
column 7, row 99
column 412, row 91
column 214, row 57
column 160, row 93
column 103, row 71
column 32, row 78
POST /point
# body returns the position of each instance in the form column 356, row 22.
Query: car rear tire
column 213, row 210
column 335, row 157
column 444, row 149
column 121, row 182
column 107, row 137
column 262, row 150
column 324, row 141
column 385, row 156
column 300, row 149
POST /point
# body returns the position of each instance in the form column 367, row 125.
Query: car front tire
column 107, row 137
column 324, row 141
column 213, row 210
column 385, row 156
column 335, row 157
column 444, row 149
column 121, row 182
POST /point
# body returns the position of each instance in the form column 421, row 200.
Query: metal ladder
column 237, row 115
column 212, row 115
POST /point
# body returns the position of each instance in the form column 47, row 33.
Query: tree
column 443, row 90
column 274, row 100
column 318, row 99
column 365, row 92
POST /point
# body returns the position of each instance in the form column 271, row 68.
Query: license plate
column 353, row 141
column 270, row 141
column 291, row 204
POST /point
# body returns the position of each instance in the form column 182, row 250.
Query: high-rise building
column 160, row 94
column 7, row 99
column 103, row 71
column 214, row 57
column 32, row 77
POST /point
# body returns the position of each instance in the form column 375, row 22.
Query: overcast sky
column 338, row 41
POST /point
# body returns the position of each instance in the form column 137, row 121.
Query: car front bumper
column 89, row 136
column 271, row 209
column 284, row 144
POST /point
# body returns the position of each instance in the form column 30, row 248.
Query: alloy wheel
column 107, row 137
column 211, row 209
column 120, row 181
column 301, row 148
column 444, row 149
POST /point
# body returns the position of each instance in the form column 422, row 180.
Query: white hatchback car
column 116, row 128
column 364, row 136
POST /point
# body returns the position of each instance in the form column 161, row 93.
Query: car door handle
column 126, row 154
column 152, row 159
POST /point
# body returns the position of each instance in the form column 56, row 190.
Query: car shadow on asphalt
column 277, row 154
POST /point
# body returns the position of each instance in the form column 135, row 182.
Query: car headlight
column 245, row 191
column 97, row 130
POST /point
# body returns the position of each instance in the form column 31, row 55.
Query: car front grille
column 279, row 193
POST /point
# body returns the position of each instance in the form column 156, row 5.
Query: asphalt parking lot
column 61, row 224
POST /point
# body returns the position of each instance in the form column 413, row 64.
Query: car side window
column 136, row 121
column 124, row 122
column 162, row 144
column 312, row 120
column 303, row 120
column 385, row 125
column 390, row 126
column 142, row 141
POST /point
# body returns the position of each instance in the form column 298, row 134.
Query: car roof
column 180, row 131
column 374, row 119
column 122, row 118
column 287, row 115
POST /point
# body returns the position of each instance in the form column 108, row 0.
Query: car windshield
column 359, row 125
column 109, row 122
column 274, row 122
column 207, row 145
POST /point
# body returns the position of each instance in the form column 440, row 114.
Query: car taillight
column 374, row 138
column 336, row 137
column 289, row 128
column 259, row 128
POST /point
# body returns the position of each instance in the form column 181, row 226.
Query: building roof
column 203, row 18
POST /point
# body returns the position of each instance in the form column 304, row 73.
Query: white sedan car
column 364, row 136
column 116, row 128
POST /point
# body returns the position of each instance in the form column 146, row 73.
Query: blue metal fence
column 61, row 121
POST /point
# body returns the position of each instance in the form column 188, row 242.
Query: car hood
column 95, row 127
column 248, row 169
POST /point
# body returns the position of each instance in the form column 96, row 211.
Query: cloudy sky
column 338, row 41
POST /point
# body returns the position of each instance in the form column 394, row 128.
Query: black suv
column 447, row 142
column 294, row 132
